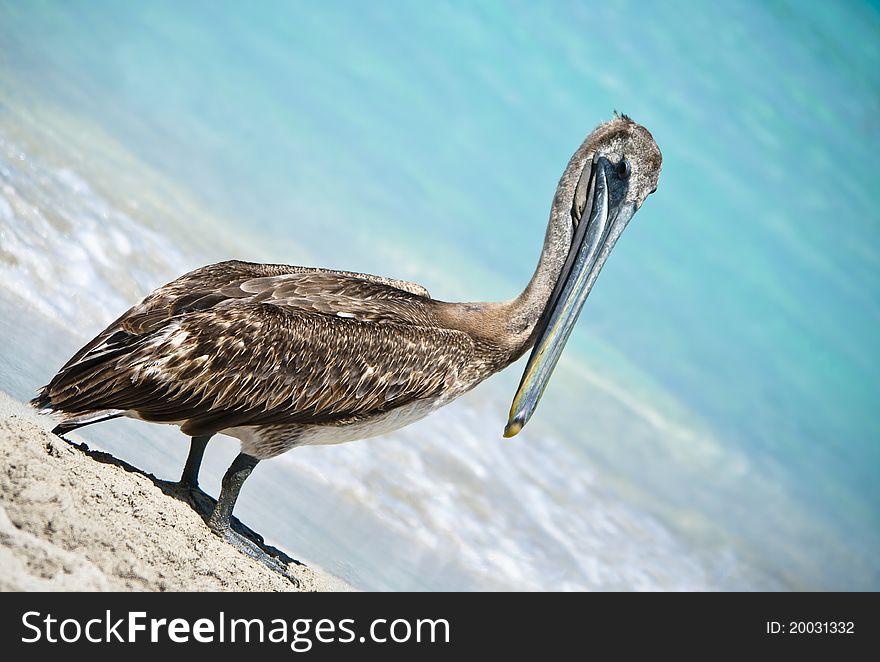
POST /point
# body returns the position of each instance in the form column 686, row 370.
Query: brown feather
column 239, row 344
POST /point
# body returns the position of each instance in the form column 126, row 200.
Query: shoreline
column 74, row 519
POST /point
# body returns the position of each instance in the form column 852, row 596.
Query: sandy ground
column 72, row 519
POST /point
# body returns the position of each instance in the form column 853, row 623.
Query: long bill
column 594, row 238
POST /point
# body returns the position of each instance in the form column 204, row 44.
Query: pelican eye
column 624, row 169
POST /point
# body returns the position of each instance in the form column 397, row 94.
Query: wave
column 66, row 249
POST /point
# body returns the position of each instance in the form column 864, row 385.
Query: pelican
column 283, row 356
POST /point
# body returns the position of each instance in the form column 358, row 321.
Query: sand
column 73, row 519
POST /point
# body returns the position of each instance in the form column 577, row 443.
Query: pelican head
column 607, row 180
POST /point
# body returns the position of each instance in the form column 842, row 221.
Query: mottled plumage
column 242, row 345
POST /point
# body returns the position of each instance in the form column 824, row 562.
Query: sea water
column 713, row 423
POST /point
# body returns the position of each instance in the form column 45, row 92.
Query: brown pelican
column 282, row 356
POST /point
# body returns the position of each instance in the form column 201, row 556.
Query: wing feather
column 208, row 286
column 243, row 344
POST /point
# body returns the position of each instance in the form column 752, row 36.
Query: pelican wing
column 239, row 344
column 202, row 288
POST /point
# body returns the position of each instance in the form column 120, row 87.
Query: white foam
column 67, row 250
column 529, row 513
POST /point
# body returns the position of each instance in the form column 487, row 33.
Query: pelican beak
column 601, row 194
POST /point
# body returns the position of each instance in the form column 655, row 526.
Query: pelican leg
column 236, row 534
column 235, row 476
column 190, row 476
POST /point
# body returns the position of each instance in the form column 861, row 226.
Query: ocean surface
column 713, row 423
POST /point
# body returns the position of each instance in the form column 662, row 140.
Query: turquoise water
column 718, row 400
